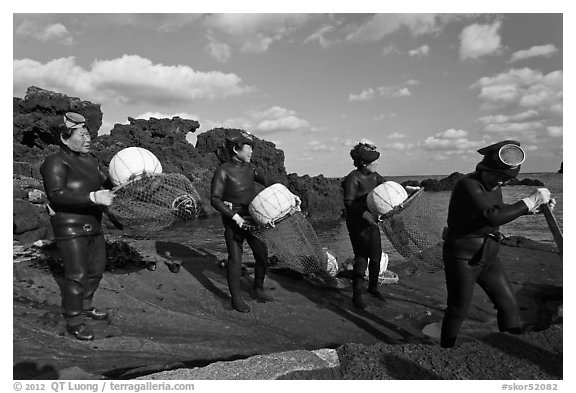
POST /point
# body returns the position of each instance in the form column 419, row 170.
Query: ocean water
column 208, row 234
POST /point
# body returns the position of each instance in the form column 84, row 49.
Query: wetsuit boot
column 358, row 283
column 373, row 273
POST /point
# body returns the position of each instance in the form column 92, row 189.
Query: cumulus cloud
column 270, row 121
column 523, row 89
column 535, row 51
column 396, row 135
column 218, row 50
column 421, row 51
column 319, row 146
column 252, row 33
column 129, row 79
column 523, row 116
column 380, row 91
column 514, row 127
column 382, row 25
column 480, row 40
column 320, row 36
column 555, row 131
column 451, row 141
column 55, row 32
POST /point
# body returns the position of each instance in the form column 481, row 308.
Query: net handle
column 135, row 179
column 255, row 228
column 401, row 206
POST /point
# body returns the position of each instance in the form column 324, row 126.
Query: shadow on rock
column 195, row 261
column 522, row 349
column 31, row 370
column 340, row 303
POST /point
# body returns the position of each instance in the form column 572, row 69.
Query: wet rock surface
column 181, row 323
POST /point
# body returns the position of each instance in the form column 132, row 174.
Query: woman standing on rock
column 362, row 225
column 232, row 190
column 74, row 186
column 472, row 238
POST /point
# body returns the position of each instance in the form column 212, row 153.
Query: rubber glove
column 298, row 203
column 551, row 206
column 238, row 220
column 369, row 217
column 412, row 189
column 538, row 197
column 102, row 197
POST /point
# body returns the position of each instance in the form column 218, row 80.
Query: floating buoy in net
column 385, row 197
column 272, row 204
column 331, row 264
column 383, row 264
column 132, row 162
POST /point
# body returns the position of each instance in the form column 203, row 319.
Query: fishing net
column 154, row 202
column 415, row 230
column 294, row 243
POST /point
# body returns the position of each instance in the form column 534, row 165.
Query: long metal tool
column 553, row 225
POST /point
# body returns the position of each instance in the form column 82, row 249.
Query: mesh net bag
column 155, row 201
column 296, row 246
column 415, row 230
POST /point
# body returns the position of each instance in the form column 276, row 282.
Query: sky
column 428, row 89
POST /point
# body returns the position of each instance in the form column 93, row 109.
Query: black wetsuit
column 233, row 182
column 470, row 254
column 69, row 177
column 365, row 238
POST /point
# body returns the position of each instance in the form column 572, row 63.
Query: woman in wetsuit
column 471, row 240
column 232, row 191
column 74, row 184
column 361, row 224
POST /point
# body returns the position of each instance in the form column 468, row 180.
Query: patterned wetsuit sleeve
column 217, row 193
column 494, row 215
column 54, row 172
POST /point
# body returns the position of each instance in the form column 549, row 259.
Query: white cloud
column 451, row 141
column 523, row 89
column 321, row 36
column 396, row 135
column 382, row 25
column 523, row 116
column 388, row 50
column 252, row 33
column 270, row 121
column 555, row 131
column 514, row 127
column 128, row 79
column 56, row 32
column 421, row 51
column 453, row 134
column 480, row 40
column 382, row 91
column 319, row 146
column 535, row 51
column 364, row 95
column 218, row 50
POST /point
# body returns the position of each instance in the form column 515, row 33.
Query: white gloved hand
column 412, row 189
column 538, row 209
column 238, row 220
column 298, row 203
column 370, row 218
column 102, row 197
column 538, row 197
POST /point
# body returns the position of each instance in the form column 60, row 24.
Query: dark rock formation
column 322, row 197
